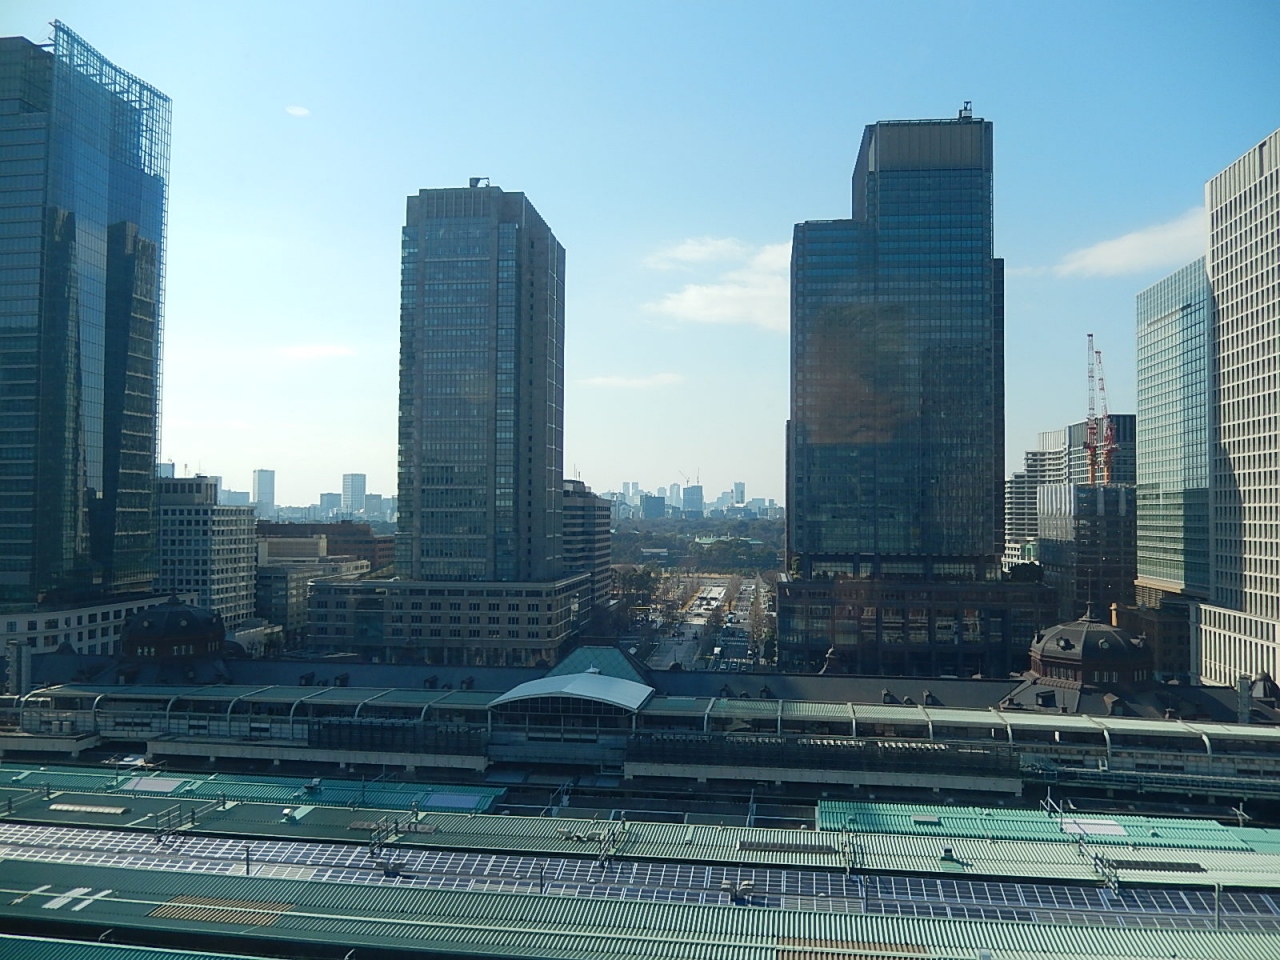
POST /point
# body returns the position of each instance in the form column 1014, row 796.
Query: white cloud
column 756, row 293
column 315, row 351
column 1169, row 244
column 697, row 250
column 296, row 111
column 634, row 383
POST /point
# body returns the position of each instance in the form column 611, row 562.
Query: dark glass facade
column 481, row 389
column 896, row 438
column 895, row 446
column 83, row 170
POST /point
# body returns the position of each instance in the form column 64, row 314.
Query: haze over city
column 672, row 147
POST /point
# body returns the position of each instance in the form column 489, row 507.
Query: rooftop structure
column 942, row 882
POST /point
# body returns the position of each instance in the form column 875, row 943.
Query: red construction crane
column 1107, row 442
column 1091, row 423
column 1100, row 434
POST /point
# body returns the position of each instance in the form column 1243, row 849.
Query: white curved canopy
column 586, row 686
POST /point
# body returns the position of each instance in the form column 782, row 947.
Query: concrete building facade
column 206, row 548
column 450, row 623
column 1239, row 628
column 588, row 546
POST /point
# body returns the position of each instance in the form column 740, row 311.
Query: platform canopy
column 625, row 694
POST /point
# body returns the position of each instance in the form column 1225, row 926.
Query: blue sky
column 671, row 146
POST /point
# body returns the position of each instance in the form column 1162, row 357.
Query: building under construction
column 1076, row 501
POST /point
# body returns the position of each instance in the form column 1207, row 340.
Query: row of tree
column 752, row 545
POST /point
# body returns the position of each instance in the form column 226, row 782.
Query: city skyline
column 678, row 313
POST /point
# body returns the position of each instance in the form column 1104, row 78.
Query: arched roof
column 585, row 686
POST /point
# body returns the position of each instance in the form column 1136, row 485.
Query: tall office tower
column 264, row 493
column 353, row 486
column 739, row 492
column 330, row 503
column 82, row 188
column 1175, row 319
column 676, row 496
column 693, row 504
column 207, row 548
column 1174, row 322
column 1239, row 629
column 895, row 447
column 481, row 389
column 481, row 424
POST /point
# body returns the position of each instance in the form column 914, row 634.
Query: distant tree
column 770, row 650
column 1026, row 573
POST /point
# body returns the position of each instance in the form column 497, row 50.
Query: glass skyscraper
column 481, row 389
column 1175, row 317
column 480, row 541
column 84, row 157
column 895, row 446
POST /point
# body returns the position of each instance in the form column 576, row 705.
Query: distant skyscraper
column 353, row 485
column 330, row 503
column 675, row 497
column 652, row 508
column 895, row 446
column 693, row 504
column 1239, row 631
column 264, row 492
column 88, row 149
column 739, row 492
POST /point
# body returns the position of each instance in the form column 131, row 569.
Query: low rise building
column 588, row 546
column 206, row 547
column 448, row 622
column 283, row 587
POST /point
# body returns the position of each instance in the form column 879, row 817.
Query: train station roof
column 625, row 694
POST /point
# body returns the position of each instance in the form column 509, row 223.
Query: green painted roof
column 198, row 787
column 610, row 661
column 923, row 820
column 422, row 921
